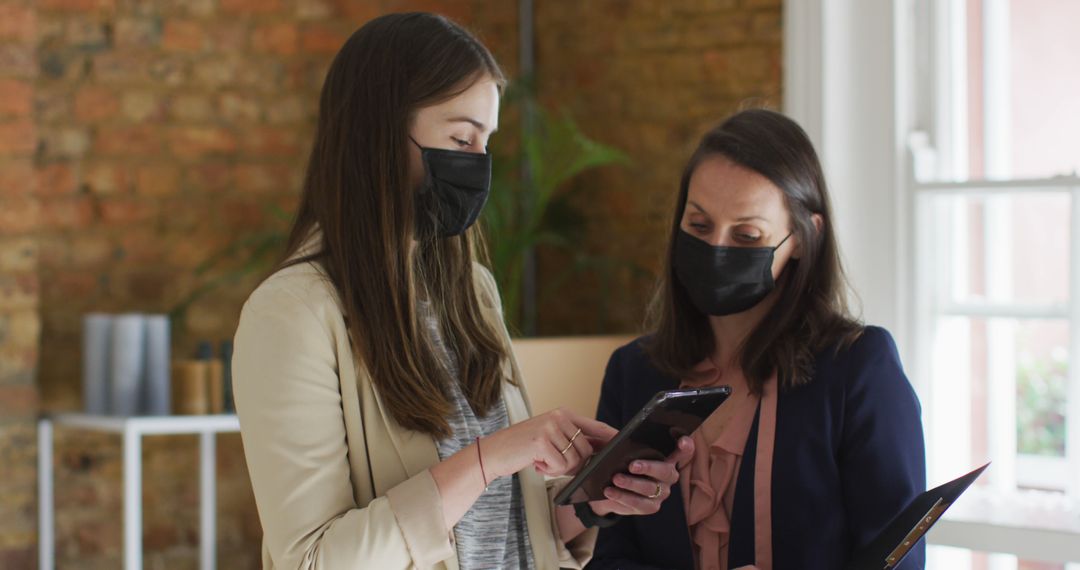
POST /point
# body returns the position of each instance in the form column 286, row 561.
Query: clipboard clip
column 925, row 522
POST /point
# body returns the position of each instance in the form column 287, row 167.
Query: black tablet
column 652, row 434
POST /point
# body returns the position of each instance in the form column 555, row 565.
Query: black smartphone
column 652, row 434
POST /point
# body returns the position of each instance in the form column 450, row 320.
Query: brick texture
column 137, row 137
column 20, row 291
column 659, row 76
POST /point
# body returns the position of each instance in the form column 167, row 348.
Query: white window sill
column 1031, row 525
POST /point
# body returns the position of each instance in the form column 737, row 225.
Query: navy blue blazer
column 848, row 457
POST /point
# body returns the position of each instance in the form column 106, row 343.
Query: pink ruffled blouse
column 708, row 480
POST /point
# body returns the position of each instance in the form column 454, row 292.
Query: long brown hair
column 811, row 312
column 357, row 192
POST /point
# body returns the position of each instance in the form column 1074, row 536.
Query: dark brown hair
column 810, row 313
column 356, row 192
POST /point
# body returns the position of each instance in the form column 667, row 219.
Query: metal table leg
column 207, row 500
column 46, row 512
column 132, row 499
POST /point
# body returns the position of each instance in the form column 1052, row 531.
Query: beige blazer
column 339, row 485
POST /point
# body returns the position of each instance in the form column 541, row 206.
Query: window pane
column 1010, row 376
column 1010, row 249
column 1041, row 381
column 1023, row 107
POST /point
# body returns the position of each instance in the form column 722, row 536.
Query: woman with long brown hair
column 383, row 416
column 821, row 442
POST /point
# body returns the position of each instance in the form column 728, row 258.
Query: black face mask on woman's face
column 723, row 280
column 455, row 189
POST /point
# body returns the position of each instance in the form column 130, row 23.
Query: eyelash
column 461, row 143
column 742, row 236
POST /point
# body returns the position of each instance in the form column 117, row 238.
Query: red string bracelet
column 481, row 457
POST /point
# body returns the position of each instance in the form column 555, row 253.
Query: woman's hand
column 647, row 486
column 555, row 443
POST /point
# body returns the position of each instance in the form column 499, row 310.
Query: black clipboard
column 893, row 543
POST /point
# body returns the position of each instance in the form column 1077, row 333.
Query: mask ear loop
column 427, row 172
column 783, row 241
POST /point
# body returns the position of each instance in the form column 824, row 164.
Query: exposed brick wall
column 136, row 137
column 165, row 128
column 648, row 77
column 20, row 323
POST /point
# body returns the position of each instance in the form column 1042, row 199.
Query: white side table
column 132, row 429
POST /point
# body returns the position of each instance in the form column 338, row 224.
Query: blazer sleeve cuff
column 417, row 505
column 578, row 552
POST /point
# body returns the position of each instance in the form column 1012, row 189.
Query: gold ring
column 659, row 491
column 571, row 444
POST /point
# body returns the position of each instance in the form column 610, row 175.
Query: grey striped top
column 492, row 534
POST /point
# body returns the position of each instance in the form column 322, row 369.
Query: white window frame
column 951, row 398
column 847, row 68
column 939, row 152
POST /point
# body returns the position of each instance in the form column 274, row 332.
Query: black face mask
column 723, row 280
column 454, row 191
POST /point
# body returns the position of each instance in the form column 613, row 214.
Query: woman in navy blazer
column 847, row 451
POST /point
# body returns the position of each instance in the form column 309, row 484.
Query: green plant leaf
column 531, row 205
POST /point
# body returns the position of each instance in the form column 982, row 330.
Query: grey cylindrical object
column 127, row 365
column 97, row 333
column 157, row 365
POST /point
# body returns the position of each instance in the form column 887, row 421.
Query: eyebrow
column 742, row 219
column 471, row 121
